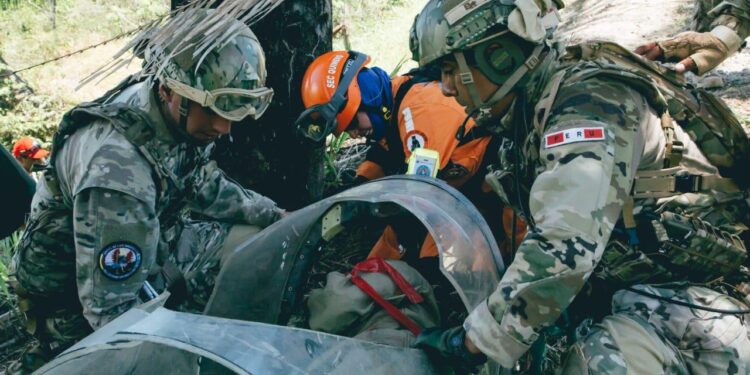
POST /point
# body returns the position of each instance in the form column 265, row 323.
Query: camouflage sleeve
column 587, row 158
column 116, row 237
column 113, row 196
column 728, row 19
column 222, row 198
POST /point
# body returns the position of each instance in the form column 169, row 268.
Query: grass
column 378, row 28
column 13, row 338
column 7, row 245
column 27, row 37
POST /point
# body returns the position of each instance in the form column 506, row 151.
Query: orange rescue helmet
column 321, row 87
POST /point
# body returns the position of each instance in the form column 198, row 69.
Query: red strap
column 381, row 266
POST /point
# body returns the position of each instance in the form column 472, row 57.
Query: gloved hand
column 446, row 348
column 697, row 52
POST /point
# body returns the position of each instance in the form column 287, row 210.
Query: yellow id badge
column 424, row 162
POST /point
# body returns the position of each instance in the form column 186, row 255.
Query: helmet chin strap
column 482, row 107
column 181, row 126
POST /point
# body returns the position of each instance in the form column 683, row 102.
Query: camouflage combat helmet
column 228, row 77
column 456, row 27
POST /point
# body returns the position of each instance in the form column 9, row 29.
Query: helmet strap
column 482, row 107
column 181, row 124
column 183, row 112
column 467, row 79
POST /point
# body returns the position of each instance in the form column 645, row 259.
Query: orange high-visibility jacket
column 426, row 118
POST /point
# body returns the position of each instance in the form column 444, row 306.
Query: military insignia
column 119, row 260
column 415, row 139
column 573, row 135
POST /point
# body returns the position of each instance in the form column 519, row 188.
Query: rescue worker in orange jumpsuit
column 398, row 116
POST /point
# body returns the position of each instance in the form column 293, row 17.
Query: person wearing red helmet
column 397, row 116
column 29, row 152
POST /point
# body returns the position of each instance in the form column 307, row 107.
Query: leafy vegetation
column 343, row 156
column 24, row 113
column 7, row 245
column 27, row 37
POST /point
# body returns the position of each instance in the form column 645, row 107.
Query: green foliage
column 398, row 67
column 7, row 247
column 9, row 4
column 23, row 113
column 378, row 28
column 332, row 151
column 27, row 38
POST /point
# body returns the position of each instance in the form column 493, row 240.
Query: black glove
column 446, row 348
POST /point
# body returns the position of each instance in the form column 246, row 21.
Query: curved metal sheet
column 469, row 256
column 252, row 282
column 170, row 342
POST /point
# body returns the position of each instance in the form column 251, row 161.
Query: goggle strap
column 339, row 96
column 359, row 60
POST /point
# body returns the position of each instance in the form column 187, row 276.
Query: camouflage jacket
column 576, row 174
column 734, row 14
column 119, row 185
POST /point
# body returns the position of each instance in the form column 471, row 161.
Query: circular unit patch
column 423, row 170
column 415, row 139
column 119, row 260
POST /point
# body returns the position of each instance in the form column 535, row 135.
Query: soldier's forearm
column 222, row 198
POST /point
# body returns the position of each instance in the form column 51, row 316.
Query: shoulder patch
column 415, row 139
column 119, row 260
column 573, row 135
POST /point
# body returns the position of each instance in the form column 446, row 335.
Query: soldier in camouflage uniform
column 598, row 169
column 110, row 212
column 719, row 30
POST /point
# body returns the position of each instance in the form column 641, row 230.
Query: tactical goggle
column 229, row 103
column 319, row 120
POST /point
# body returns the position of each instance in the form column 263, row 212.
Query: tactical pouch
column 623, row 264
column 673, row 247
column 696, row 248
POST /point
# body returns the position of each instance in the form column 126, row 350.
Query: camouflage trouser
column 701, row 21
column 200, row 250
column 648, row 336
column 199, row 253
column 55, row 332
